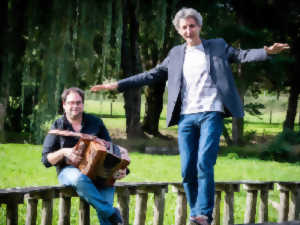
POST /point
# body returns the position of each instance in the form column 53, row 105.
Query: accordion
column 100, row 159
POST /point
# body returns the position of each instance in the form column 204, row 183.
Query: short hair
column 185, row 13
column 77, row 90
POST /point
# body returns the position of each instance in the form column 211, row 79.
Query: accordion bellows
column 100, row 159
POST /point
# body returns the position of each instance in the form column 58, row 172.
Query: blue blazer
column 219, row 55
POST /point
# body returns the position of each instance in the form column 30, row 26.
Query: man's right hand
column 102, row 87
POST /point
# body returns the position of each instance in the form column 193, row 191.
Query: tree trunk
column 292, row 107
column 3, row 65
column 299, row 119
column 154, row 93
column 2, row 119
column 227, row 136
column 15, row 51
column 153, row 108
column 238, row 123
column 131, row 66
column 132, row 99
column 237, row 130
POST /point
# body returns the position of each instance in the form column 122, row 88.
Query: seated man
column 58, row 151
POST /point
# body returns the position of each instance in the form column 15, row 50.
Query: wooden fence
column 288, row 207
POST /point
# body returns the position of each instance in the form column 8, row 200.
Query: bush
column 281, row 147
column 232, row 155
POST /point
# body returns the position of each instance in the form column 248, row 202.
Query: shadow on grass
column 117, row 116
column 261, row 123
column 109, row 116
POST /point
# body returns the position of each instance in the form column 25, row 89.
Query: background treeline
column 47, row 46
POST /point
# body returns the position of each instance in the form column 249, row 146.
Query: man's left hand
column 276, row 48
column 73, row 157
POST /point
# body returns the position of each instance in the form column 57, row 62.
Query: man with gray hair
column 201, row 92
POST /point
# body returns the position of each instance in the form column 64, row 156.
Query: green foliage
column 249, row 136
column 78, row 43
column 254, row 108
column 66, row 44
column 232, row 155
column 280, row 149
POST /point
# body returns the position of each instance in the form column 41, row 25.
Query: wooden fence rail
column 288, row 207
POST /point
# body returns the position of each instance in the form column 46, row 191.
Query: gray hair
column 77, row 90
column 185, row 13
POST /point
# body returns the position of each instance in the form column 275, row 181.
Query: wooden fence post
column 64, row 210
column 123, row 201
column 228, row 217
column 47, row 206
column 140, row 208
column 284, row 189
column 181, row 204
column 288, row 211
column 12, row 197
column 216, row 212
column 229, row 188
column 84, row 212
column 12, row 212
column 263, row 208
column 252, row 189
column 159, row 207
column 65, row 194
column 31, row 213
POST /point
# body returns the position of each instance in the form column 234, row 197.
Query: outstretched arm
column 103, row 87
column 276, row 48
column 157, row 74
column 251, row 55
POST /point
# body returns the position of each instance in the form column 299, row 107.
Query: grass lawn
column 20, row 166
column 268, row 123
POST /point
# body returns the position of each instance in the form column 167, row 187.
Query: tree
column 3, row 65
column 285, row 28
column 156, row 37
column 50, row 46
column 130, row 65
column 11, row 63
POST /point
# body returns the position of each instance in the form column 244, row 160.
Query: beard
column 74, row 115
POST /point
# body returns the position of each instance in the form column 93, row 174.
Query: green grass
column 22, row 161
column 20, row 166
column 114, row 118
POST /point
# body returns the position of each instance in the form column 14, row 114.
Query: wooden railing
column 288, row 207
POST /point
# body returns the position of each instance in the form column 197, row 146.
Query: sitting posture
column 58, row 150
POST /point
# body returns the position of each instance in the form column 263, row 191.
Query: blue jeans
column 101, row 199
column 198, row 140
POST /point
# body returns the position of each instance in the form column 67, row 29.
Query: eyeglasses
column 74, row 103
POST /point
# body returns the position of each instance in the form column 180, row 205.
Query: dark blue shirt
column 90, row 125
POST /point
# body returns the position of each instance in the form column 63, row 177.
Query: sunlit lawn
column 20, row 164
column 115, row 118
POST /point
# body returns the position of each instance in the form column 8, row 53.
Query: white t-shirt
column 199, row 93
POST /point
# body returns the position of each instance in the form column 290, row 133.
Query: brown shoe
column 199, row 220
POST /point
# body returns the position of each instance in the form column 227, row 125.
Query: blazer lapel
column 181, row 57
column 207, row 53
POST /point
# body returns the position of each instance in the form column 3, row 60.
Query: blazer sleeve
column 243, row 56
column 157, row 74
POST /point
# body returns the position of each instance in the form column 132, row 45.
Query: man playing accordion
column 59, row 151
